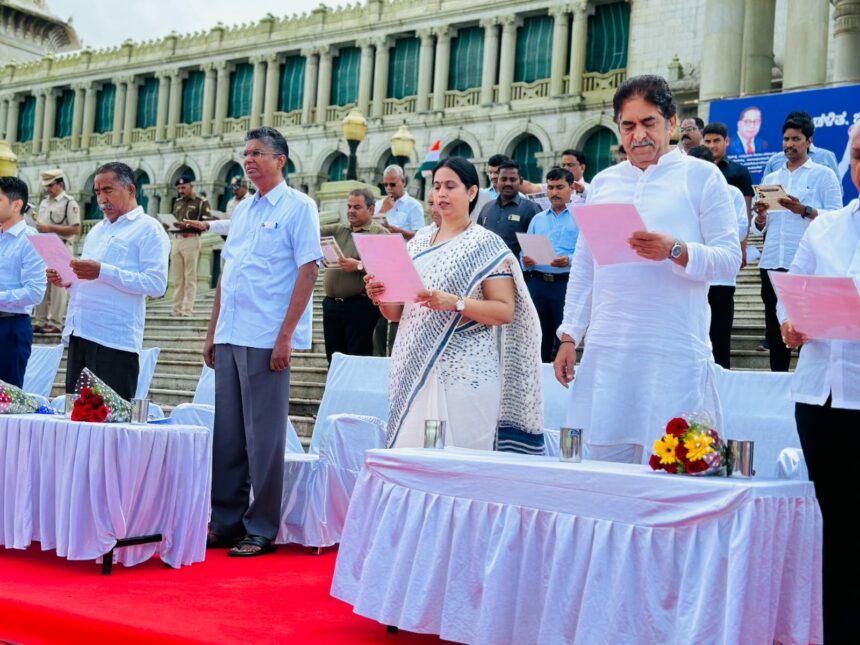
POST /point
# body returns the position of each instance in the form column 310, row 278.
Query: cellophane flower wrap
column 690, row 446
column 14, row 400
column 98, row 402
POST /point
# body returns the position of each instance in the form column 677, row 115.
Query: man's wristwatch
column 807, row 211
column 360, row 266
column 676, row 251
column 461, row 304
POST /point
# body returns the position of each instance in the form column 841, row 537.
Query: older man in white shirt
column 123, row 261
column 648, row 358
column 260, row 313
column 403, row 213
column 826, row 389
column 810, row 187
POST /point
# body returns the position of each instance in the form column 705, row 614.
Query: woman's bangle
column 567, row 341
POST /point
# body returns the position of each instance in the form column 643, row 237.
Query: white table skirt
column 78, row 487
column 496, row 548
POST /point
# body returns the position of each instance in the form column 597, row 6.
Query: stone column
column 174, row 112
column 50, row 119
column 757, row 53
column 443, row 62
column 561, row 28
column 118, row 109
column 222, row 96
column 4, row 115
column 324, row 85
column 806, row 63
column 380, row 75
column 130, row 110
column 365, row 75
column 258, row 92
column 846, row 42
column 491, row 60
column 78, row 114
column 163, row 77
column 273, row 88
column 508, row 58
column 309, row 94
column 578, row 46
column 89, row 124
column 12, row 119
column 208, row 99
column 721, row 49
column 38, row 121
column 425, row 70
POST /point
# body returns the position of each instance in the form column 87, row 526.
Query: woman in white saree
column 467, row 351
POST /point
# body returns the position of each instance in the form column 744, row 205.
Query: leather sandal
column 215, row 541
column 264, row 546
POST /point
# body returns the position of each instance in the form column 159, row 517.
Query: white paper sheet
column 386, row 258
column 55, row 254
column 606, row 228
column 822, row 307
column 537, row 247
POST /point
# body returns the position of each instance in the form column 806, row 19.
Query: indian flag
column 429, row 164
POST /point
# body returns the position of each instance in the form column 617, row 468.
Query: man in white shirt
column 820, row 156
column 22, row 282
column 261, row 312
column 239, row 186
column 574, row 161
column 123, row 261
column 810, row 187
column 826, row 389
column 403, row 213
column 647, row 356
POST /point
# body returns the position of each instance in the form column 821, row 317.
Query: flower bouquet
column 691, row 446
column 14, row 400
column 98, row 403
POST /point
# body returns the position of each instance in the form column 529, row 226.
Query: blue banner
column 755, row 126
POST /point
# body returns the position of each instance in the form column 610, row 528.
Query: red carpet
column 280, row 598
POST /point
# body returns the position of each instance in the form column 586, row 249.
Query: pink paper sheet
column 606, row 228
column 822, row 307
column 387, row 259
column 55, row 254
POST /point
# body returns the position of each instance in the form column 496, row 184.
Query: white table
column 80, row 487
column 485, row 547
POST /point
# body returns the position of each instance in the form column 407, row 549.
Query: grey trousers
column 251, row 411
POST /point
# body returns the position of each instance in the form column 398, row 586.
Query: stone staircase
column 181, row 342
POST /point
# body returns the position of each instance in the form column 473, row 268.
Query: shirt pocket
column 268, row 241
column 116, row 252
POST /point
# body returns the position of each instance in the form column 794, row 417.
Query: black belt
column 340, row 300
column 549, row 277
column 8, row 314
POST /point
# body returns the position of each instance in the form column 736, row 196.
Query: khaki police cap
column 50, row 176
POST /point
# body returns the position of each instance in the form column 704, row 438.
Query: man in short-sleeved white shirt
column 261, row 312
column 403, row 214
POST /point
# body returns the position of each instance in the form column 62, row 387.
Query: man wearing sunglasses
column 403, row 214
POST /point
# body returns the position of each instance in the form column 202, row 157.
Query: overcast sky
column 102, row 23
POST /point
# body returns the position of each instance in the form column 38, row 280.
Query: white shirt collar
column 806, row 164
column 132, row 215
column 18, row 229
column 274, row 195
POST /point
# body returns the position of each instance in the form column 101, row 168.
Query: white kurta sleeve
column 577, row 301
column 719, row 257
column 219, row 226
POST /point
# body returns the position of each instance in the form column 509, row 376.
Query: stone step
column 753, row 360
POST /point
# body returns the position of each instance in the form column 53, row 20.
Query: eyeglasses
column 256, row 154
column 689, row 128
column 389, row 184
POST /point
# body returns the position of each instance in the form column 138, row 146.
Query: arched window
column 141, row 179
column 337, row 167
column 91, row 204
column 598, row 151
column 460, row 149
column 524, row 154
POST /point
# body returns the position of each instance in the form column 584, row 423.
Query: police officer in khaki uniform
column 58, row 213
column 186, row 245
column 239, row 186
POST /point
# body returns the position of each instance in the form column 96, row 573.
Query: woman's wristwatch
column 460, row 304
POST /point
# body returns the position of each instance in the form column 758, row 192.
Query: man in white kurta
column 647, row 355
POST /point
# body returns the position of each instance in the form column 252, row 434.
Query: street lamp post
column 354, row 127
column 402, row 145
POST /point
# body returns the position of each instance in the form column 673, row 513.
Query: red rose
column 97, row 401
column 86, row 392
column 671, row 468
column 697, row 466
column 681, row 452
column 101, row 414
column 654, row 462
column 677, row 427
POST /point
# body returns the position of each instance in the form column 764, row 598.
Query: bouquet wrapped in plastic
column 14, row 400
column 98, row 402
column 691, row 446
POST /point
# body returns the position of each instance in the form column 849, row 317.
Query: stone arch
column 141, row 179
column 524, row 151
column 515, row 134
column 336, row 163
column 324, row 158
column 89, row 204
column 585, row 128
column 177, row 168
column 468, row 138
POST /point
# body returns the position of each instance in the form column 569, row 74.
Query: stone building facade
column 528, row 78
